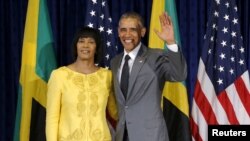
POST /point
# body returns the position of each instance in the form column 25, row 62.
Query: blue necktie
column 125, row 77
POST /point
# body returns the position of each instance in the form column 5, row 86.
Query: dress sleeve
column 53, row 106
column 112, row 108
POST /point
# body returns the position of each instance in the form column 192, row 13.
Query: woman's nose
column 85, row 45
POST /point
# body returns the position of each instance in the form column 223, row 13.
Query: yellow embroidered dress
column 76, row 105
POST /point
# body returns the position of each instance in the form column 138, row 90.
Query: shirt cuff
column 173, row 47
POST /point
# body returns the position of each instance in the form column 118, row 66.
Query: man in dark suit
column 139, row 79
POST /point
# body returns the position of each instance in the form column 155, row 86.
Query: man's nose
column 128, row 33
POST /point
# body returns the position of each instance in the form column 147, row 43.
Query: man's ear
column 143, row 32
column 118, row 31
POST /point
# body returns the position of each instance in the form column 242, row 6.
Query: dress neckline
column 99, row 69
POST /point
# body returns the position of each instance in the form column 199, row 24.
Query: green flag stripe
column 171, row 9
column 18, row 115
column 45, row 59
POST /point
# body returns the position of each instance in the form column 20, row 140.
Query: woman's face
column 86, row 48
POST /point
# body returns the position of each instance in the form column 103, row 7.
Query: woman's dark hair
column 86, row 32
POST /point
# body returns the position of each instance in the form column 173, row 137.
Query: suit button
column 126, row 107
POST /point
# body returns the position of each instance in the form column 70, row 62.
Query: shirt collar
column 134, row 52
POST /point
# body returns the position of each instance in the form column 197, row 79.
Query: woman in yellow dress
column 79, row 93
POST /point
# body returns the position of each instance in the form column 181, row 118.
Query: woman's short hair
column 87, row 32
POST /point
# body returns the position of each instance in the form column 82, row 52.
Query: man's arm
column 172, row 63
column 167, row 29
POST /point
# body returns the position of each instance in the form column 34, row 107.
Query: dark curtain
column 12, row 19
column 68, row 15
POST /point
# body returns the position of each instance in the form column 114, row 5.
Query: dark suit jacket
column 142, row 108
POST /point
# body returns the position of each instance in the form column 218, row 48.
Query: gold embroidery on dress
column 87, row 107
column 75, row 136
column 96, row 135
column 78, row 81
column 81, row 109
column 93, row 81
column 94, row 104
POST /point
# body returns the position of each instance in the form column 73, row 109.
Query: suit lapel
column 117, row 63
column 138, row 63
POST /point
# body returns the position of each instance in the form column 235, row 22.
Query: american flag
column 222, row 89
column 98, row 17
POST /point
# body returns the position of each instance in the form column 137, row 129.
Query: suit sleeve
column 53, row 107
column 171, row 66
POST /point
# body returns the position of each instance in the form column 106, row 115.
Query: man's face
column 130, row 33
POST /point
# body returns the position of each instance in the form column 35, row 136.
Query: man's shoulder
column 154, row 51
column 117, row 56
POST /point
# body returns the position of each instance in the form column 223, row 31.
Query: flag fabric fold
column 222, row 89
column 38, row 60
column 175, row 98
